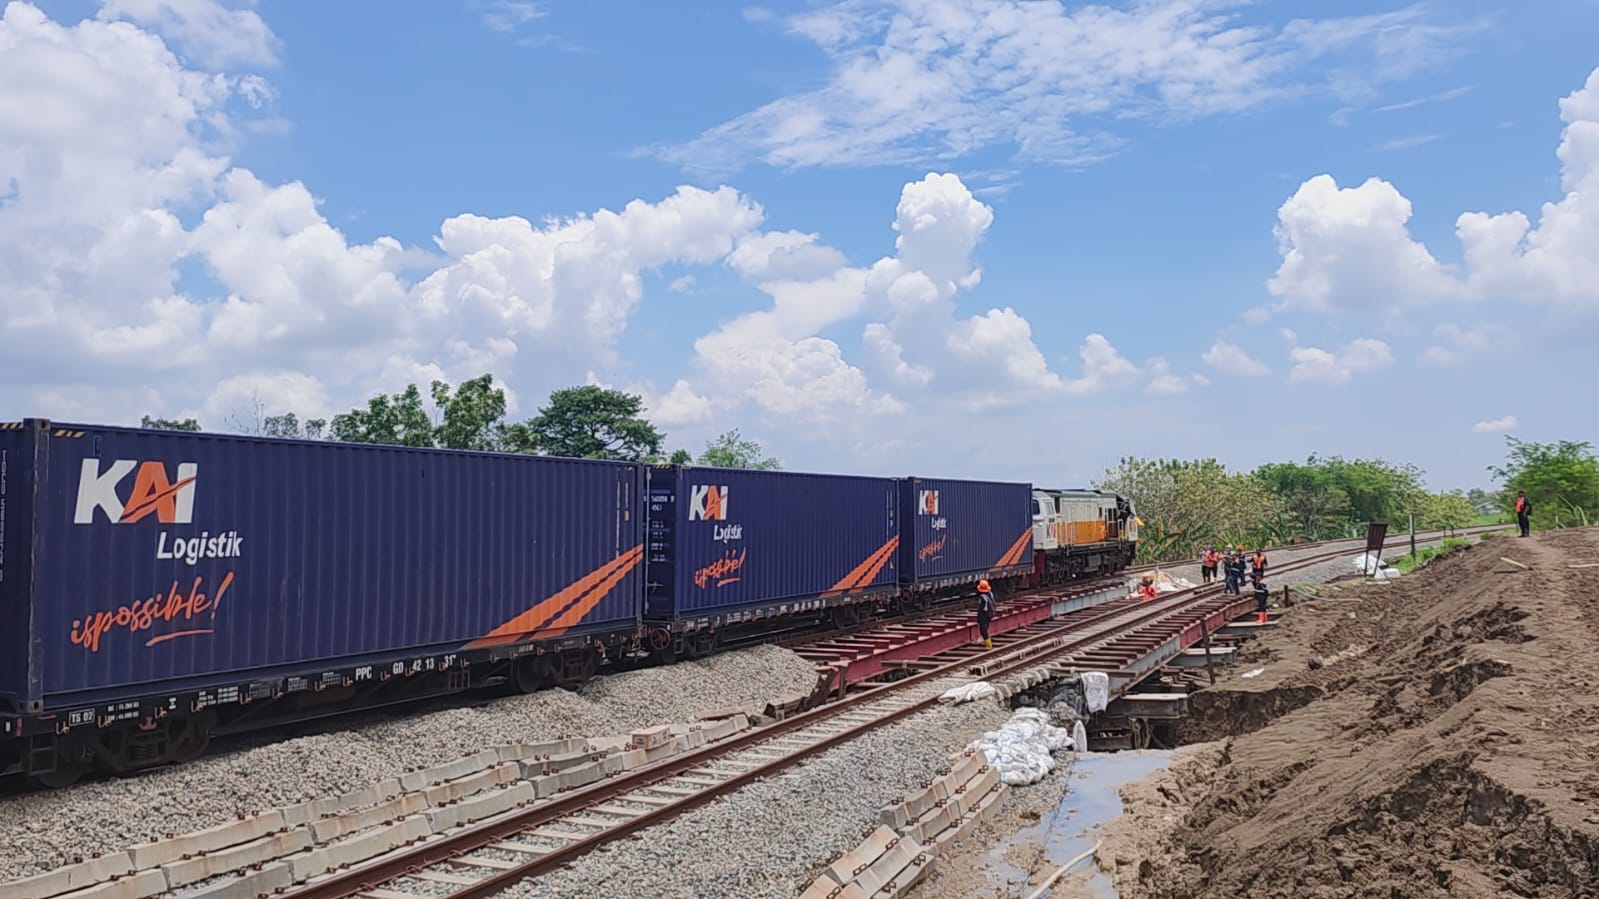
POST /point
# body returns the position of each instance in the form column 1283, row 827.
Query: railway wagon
column 157, row 587
column 1081, row 532
column 734, row 550
column 957, row 532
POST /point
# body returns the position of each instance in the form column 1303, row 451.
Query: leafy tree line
column 586, row 422
column 1186, row 505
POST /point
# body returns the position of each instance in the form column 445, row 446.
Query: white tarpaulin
column 1022, row 750
column 1367, row 563
column 967, row 692
column 1164, row 583
column 1096, row 690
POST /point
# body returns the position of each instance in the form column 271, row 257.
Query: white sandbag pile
column 1370, row 564
column 1022, row 750
column 968, row 692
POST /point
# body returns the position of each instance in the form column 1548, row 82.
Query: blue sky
column 1113, row 239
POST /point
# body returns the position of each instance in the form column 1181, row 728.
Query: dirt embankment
column 1434, row 736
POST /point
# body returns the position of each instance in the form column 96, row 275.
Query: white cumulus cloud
column 1228, row 357
column 1495, row 426
column 1351, row 249
column 1316, row 365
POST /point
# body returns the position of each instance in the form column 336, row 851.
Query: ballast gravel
column 43, row 831
column 771, row 838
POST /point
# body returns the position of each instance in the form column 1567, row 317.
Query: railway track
column 483, row 859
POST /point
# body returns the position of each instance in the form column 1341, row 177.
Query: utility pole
column 1412, row 535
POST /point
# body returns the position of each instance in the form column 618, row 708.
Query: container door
column 660, row 573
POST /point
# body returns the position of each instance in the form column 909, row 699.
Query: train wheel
column 65, row 775
column 843, row 616
column 529, row 674
column 574, row 667
column 191, row 738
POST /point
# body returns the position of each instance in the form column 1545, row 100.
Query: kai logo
column 927, row 504
column 707, row 503
column 155, row 492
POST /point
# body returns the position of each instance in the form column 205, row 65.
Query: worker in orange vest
column 1207, row 567
column 1259, row 563
column 1523, row 512
column 985, row 609
column 1146, row 589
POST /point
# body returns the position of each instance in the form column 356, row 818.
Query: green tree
column 1187, row 505
column 1447, row 511
column 680, row 457
column 469, row 416
column 731, row 450
column 1561, row 479
column 591, row 422
column 169, row 424
column 399, row 420
column 1311, row 503
column 1478, row 496
column 289, row 425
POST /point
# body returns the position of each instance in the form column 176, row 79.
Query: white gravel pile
column 772, row 837
column 43, row 831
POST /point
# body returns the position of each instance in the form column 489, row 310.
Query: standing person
column 1238, row 570
column 985, row 610
column 1259, row 563
column 1207, row 566
column 1262, row 593
column 1523, row 512
column 1231, row 573
column 1146, row 589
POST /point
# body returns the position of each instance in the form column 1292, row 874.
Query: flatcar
column 159, row 588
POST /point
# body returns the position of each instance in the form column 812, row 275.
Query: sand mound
column 1437, row 735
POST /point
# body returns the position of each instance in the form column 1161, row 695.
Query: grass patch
column 1408, row 563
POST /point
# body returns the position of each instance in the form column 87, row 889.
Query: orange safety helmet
column 982, row 585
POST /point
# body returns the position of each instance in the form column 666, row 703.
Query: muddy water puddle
column 1068, row 830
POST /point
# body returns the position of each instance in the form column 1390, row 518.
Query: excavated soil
column 1432, row 736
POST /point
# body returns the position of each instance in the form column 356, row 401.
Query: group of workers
column 1233, row 562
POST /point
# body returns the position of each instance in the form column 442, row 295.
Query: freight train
column 161, row 587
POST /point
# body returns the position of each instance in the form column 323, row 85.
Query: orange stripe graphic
column 1014, row 554
column 540, row 614
column 575, row 613
column 864, row 572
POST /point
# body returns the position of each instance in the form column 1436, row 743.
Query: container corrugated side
column 16, row 540
column 169, row 558
column 733, row 539
column 961, row 530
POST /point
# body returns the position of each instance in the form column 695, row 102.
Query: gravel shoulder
column 43, row 831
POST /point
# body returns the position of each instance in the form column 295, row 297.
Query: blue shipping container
column 139, row 559
column 724, row 540
column 964, row 530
